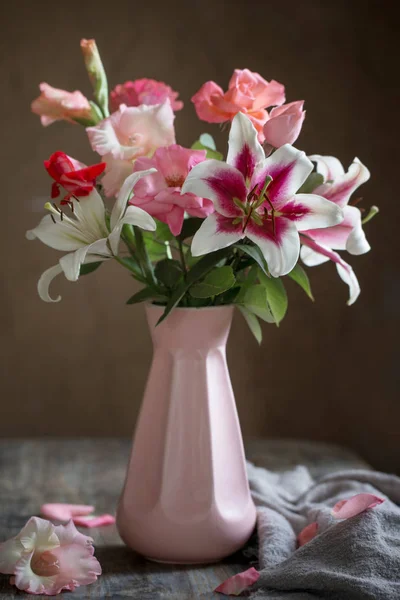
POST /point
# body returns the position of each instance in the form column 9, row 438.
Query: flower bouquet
column 203, row 235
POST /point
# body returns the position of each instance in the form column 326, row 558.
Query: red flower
column 75, row 177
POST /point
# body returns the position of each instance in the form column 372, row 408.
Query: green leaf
column 132, row 265
column 216, row 282
column 299, row 275
column 198, row 271
column 255, row 300
column 156, row 250
column 163, row 232
column 276, row 296
column 146, row 294
column 89, row 267
column 252, row 322
column 189, row 227
column 169, row 272
column 311, row 183
column 206, row 142
column 255, row 253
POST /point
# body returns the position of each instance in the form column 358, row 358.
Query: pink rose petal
column 65, row 512
column 93, row 520
column 307, row 534
column 345, row 509
column 236, row 584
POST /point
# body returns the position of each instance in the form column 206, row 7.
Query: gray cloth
column 356, row 559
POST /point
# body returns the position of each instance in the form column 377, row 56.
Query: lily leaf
column 206, row 142
column 311, row 183
column 252, row 322
column 299, row 275
column 198, row 271
column 255, row 300
column 163, row 232
column 276, row 296
column 169, row 272
column 89, row 267
column 255, row 253
column 216, row 282
column 189, row 227
column 146, row 294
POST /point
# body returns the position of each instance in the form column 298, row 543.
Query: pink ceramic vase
column 186, row 497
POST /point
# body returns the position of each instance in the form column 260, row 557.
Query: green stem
column 182, row 257
column 143, row 257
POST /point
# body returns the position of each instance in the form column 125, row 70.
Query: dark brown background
column 78, row 367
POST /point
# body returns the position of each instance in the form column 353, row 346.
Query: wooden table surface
column 91, row 472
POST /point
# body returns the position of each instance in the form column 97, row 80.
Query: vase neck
column 190, row 328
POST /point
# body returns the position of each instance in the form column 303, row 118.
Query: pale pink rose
column 284, row 124
column 58, row 105
column 159, row 194
column 248, row 93
column 127, row 134
column 46, row 559
column 144, row 91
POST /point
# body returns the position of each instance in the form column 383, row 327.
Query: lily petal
column 60, row 235
column 345, row 509
column 289, row 168
column 310, row 210
column 348, row 235
column 71, row 263
column 280, row 247
column 238, row 583
column 216, row 232
column 64, row 512
column 45, row 281
column 133, row 216
column 218, row 182
column 124, row 195
column 328, row 166
column 340, row 190
column 307, row 534
column 91, row 211
column 344, row 270
column 245, row 151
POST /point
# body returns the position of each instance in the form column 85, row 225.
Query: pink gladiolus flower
column 160, row 194
column 284, row 124
column 237, row 584
column 255, row 197
column 348, row 235
column 345, row 509
column 58, row 105
column 144, row 91
column 46, row 559
column 126, row 135
column 248, row 93
column 75, row 177
column 307, row 534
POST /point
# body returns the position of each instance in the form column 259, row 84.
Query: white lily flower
column 86, row 235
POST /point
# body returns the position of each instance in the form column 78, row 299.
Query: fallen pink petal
column 65, row 512
column 345, row 509
column 90, row 521
column 237, row 584
column 307, row 534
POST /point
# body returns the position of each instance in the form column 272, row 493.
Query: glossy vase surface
column 186, row 497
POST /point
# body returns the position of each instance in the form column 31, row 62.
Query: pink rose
column 248, row 93
column 58, row 105
column 284, row 124
column 144, row 91
column 159, row 194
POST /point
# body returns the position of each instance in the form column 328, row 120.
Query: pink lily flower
column 46, row 559
column 160, row 195
column 255, row 197
column 248, row 93
column 338, row 187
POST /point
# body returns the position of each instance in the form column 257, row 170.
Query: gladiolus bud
column 97, row 74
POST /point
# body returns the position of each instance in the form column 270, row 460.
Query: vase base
column 181, row 562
